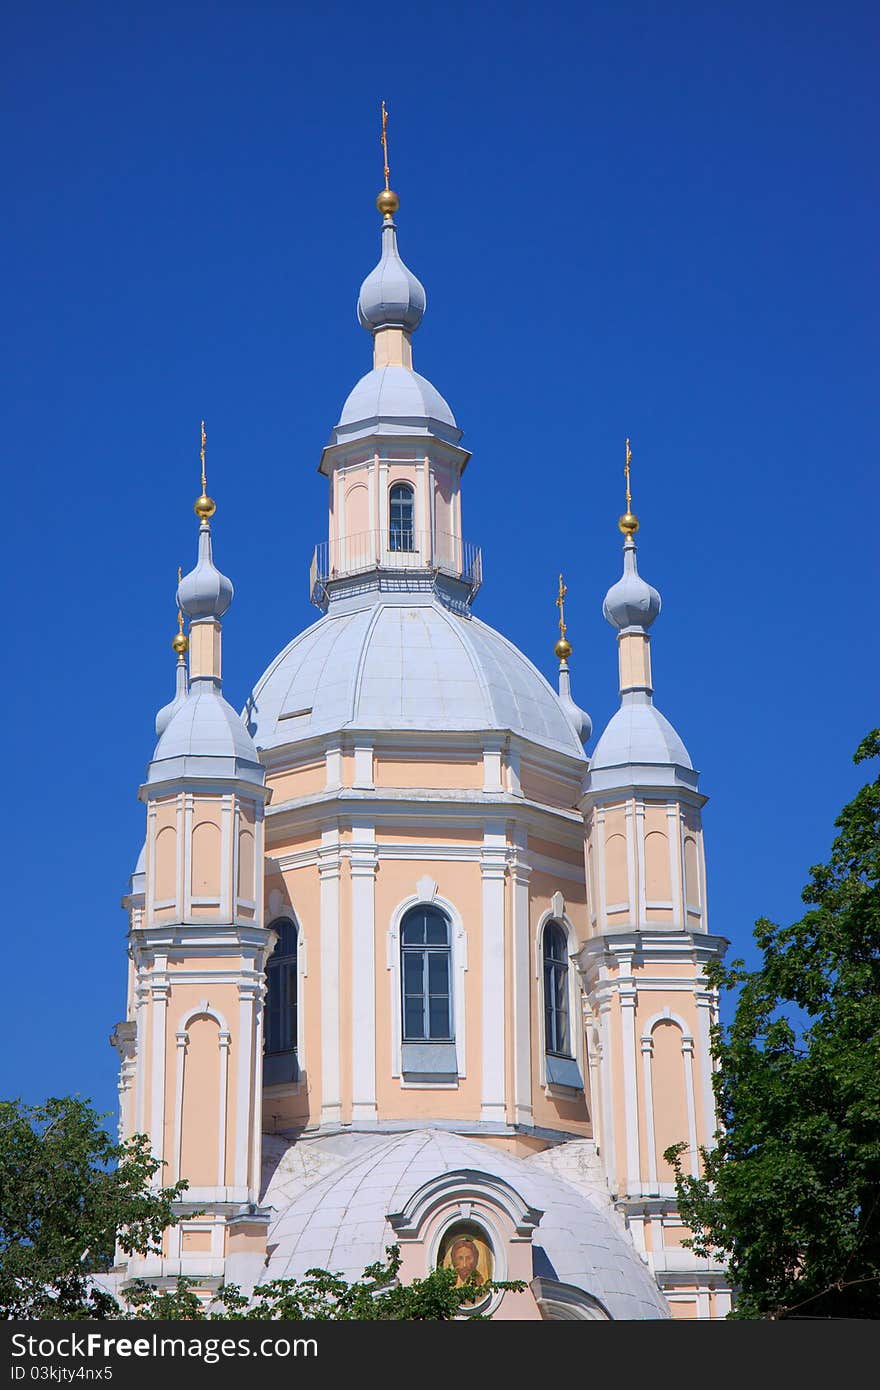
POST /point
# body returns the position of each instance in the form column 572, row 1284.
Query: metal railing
column 400, row 550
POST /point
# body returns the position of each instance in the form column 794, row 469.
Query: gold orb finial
column 387, row 201
column 629, row 522
column 180, row 641
column 563, row 648
column 205, row 506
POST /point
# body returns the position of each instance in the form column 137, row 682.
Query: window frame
column 551, row 968
column 401, row 530
column 283, row 961
column 425, row 949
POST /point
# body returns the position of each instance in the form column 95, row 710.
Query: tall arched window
column 280, row 1062
column 557, row 1036
column 401, row 507
column 426, row 976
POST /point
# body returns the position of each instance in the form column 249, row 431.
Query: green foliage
column 321, row 1296
column 790, row 1197
column 67, row 1194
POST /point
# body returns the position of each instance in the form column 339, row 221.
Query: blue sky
column 630, row 219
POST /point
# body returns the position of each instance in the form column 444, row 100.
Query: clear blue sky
column 629, row 217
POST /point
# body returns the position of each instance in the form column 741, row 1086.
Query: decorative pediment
column 456, row 1192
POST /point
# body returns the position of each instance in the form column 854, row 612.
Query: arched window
column 557, row 1037
column 280, row 1060
column 425, row 976
column 401, row 517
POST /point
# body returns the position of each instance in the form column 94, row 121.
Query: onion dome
column 580, row 721
column 391, row 296
column 204, row 592
column 631, row 602
column 180, row 645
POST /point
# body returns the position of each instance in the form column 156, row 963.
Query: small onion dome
column 391, row 296
column 580, row 721
column 167, row 712
column 204, row 592
column 631, row 602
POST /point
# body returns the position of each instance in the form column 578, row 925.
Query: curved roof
column 638, row 733
column 395, row 400
column 206, row 737
column 340, row 1221
column 632, row 601
column 391, row 296
column 405, row 665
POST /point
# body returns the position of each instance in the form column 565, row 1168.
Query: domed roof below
column 407, row 664
column 339, row 1221
column 639, row 735
column 206, row 737
column 395, row 400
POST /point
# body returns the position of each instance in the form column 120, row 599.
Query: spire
column 579, row 720
column 631, row 603
column 204, row 594
column 180, row 645
column 638, row 742
column 391, row 297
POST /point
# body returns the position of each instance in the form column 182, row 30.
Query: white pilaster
column 522, row 1039
column 642, row 911
column 363, row 766
column 607, row 1094
column 602, row 905
column 673, row 834
column 631, row 890
column 160, row 991
column 493, row 862
column 648, row 1088
column 331, row 1082
column 245, row 1089
column 628, row 997
column 364, row 862
column 182, row 1040
column 687, row 1057
column 223, row 1041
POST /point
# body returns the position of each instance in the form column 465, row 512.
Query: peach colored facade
column 328, row 839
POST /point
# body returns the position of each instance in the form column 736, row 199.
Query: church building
column 408, row 963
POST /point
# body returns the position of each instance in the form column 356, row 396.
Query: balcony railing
column 400, row 550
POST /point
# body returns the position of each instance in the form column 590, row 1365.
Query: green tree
column 67, row 1194
column 790, row 1195
column 321, row 1296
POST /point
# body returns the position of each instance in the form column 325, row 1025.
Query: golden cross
column 560, row 604
column 202, row 452
column 626, row 475
column 384, row 138
column 179, row 613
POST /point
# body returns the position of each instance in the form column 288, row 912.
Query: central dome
column 407, row 664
